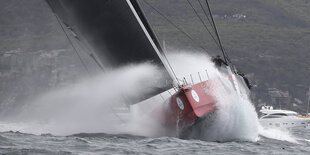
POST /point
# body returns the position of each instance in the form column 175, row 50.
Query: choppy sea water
column 100, row 143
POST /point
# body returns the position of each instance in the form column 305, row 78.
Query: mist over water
column 278, row 134
column 87, row 106
column 90, row 106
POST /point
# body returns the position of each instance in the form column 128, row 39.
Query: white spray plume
column 278, row 134
column 235, row 118
column 86, row 106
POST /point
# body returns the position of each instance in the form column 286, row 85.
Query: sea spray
column 144, row 119
column 277, row 134
column 235, row 118
column 86, row 106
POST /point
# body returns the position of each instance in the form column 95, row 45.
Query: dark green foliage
column 272, row 41
column 29, row 25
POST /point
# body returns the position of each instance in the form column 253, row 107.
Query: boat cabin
column 268, row 112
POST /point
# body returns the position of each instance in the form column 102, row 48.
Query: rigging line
column 204, row 11
column 75, row 50
column 164, row 53
column 217, row 34
column 228, row 59
column 83, row 44
column 214, row 28
column 153, row 36
column 203, row 23
column 175, row 25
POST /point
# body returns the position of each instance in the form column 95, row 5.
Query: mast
column 143, row 22
column 133, row 4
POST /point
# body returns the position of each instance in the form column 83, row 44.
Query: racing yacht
column 117, row 33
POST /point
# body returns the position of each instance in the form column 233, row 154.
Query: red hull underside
column 188, row 104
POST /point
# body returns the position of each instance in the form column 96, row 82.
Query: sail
column 113, row 31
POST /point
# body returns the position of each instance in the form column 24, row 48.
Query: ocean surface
column 101, row 143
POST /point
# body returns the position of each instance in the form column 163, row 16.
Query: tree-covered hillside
column 29, row 25
column 267, row 39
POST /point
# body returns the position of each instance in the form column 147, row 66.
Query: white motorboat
column 285, row 119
